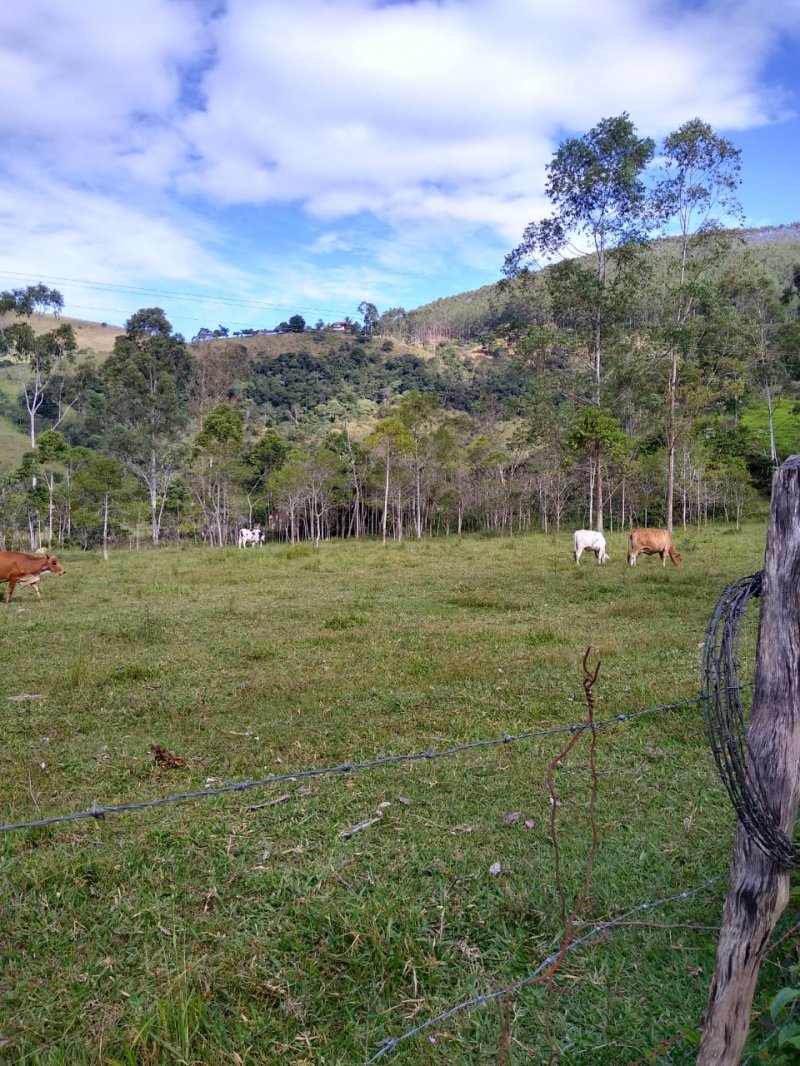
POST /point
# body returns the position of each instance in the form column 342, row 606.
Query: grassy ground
column 13, row 441
column 786, row 418
column 247, row 929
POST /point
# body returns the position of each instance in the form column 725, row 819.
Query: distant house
column 340, row 327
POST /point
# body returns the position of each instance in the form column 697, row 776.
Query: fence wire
column 100, row 811
column 389, row 1045
column 727, row 729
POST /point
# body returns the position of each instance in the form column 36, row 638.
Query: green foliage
column 223, row 429
column 595, row 186
column 145, row 380
column 783, row 1007
column 595, row 427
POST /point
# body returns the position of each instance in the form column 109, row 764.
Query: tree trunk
column 105, row 527
column 759, row 888
column 773, row 454
column 385, row 504
column 153, row 486
column 671, row 435
column 598, row 487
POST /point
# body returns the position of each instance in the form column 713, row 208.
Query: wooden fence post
column 759, row 888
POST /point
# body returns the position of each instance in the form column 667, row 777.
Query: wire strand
column 100, row 811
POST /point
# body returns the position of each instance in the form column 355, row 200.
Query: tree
column 419, row 413
column 389, row 441
column 369, row 313
column 98, row 480
column 296, row 324
column 266, row 456
column 596, row 186
column 354, row 457
column 596, row 431
column 217, row 452
column 52, row 453
column 289, row 483
column 700, row 175
column 38, row 356
column 146, row 379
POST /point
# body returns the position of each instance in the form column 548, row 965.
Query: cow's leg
column 12, row 581
column 578, row 555
column 663, row 557
column 35, row 588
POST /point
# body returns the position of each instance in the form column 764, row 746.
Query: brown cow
column 18, row 568
column 652, row 542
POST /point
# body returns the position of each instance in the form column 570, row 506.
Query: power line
column 225, row 301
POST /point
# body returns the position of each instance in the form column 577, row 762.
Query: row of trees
column 613, row 391
column 601, row 197
column 296, row 324
column 422, row 470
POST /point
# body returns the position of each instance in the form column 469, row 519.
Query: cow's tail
column 631, row 558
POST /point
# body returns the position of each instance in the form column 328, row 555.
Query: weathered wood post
column 759, row 886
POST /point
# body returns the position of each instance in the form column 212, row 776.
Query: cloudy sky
column 237, row 161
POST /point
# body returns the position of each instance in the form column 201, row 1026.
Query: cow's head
column 604, row 556
column 53, row 565
column 675, row 556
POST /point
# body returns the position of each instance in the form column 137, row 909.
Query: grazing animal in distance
column 652, row 542
column 590, row 540
column 19, row 568
column 250, row 536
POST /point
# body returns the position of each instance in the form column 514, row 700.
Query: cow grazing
column 250, row 536
column 590, row 540
column 652, row 542
column 18, row 568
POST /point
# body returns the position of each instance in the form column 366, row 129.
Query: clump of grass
column 539, row 638
column 130, row 672
column 295, row 551
column 343, row 620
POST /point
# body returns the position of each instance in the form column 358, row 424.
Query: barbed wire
column 726, row 728
column 100, row 811
column 390, row 1044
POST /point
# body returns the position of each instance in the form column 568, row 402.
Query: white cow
column 250, row 536
column 591, row 541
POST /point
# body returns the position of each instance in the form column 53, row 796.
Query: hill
column 93, row 337
column 454, row 348
column 472, row 315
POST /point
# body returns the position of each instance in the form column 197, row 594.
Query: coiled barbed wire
column 720, row 693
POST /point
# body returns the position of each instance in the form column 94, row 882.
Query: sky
column 239, row 161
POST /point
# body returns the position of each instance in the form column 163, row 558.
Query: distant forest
column 652, row 382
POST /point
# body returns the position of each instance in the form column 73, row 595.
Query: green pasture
column 252, row 928
column 13, row 441
column 786, row 420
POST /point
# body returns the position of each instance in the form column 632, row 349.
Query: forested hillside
column 472, row 413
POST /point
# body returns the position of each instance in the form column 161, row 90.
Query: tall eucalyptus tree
column 695, row 197
column 146, row 379
column 601, row 206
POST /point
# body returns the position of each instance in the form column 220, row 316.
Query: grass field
column 248, row 928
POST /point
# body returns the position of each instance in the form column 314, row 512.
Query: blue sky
column 237, row 162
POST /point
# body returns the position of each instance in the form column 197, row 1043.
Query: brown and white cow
column 19, row 568
column 652, row 542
